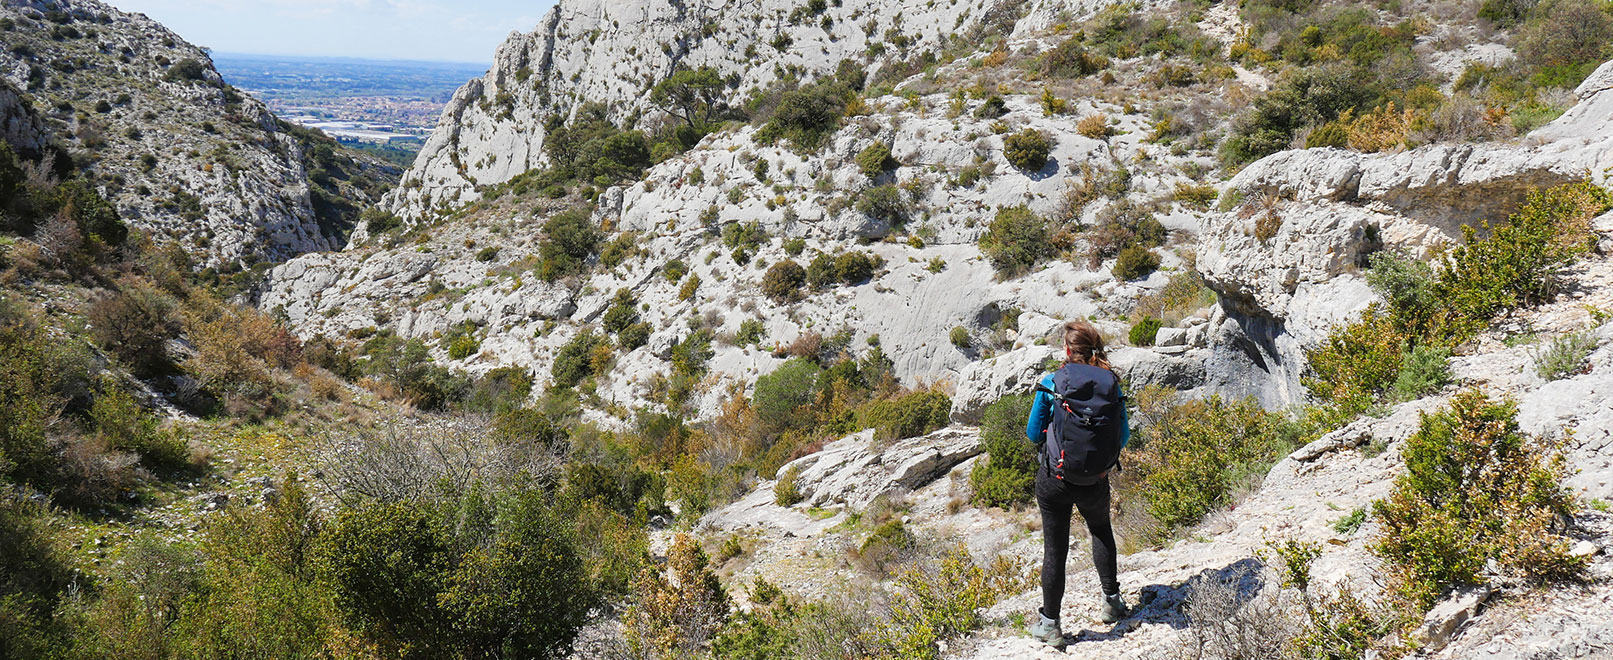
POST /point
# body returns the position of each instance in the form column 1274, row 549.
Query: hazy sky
column 460, row 31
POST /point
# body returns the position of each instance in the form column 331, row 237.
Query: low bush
column 573, row 363
column 1424, row 370
column 1143, row 332
column 855, row 267
column 1477, row 491
column 782, row 396
column 885, row 203
column 743, row 239
column 908, row 416
column 1196, row 454
column 887, row 545
column 1028, row 150
column 875, row 160
column 751, row 333
column 1565, row 355
column 186, row 70
column 1135, row 262
column 570, row 239
column 1070, row 59
column 1123, row 224
column 959, row 336
column 787, row 491
column 133, row 322
column 784, row 281
column 805, row 117
column 1016, row 241
column 938, row 603
column 1093, row 126
column 677, row 615
column 1007, row 476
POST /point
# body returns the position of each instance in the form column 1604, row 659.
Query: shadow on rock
column 1165, row 604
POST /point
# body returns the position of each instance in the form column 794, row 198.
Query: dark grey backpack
column 1083, row 440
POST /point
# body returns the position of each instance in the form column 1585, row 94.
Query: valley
column 709, row 330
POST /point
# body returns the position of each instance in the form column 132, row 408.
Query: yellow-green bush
column 1016, row 241
column 940, row 603
column 1476, row 490
column 909, row 416
column 1196, row 453
column 1028, row 149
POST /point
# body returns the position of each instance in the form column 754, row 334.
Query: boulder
column 854, row 470
column 983, row 382
column 1442, row 622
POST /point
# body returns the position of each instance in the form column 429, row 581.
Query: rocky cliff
column 184, row 156
column 615, row 52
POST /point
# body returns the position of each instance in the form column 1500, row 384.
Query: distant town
column 385, row 106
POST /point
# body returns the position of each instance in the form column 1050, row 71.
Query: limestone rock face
column 1287, row 260
column 856, row 469
column 983, row 382
column 190, row 161
column 613, row 52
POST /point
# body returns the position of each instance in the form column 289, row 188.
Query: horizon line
column 217, row 53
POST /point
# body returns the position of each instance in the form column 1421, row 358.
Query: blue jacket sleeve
column 1041, row 413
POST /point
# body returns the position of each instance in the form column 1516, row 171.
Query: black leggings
column 1055, row 498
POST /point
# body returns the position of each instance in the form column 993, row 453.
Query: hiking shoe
column 1114, row 608
column 1047, row 630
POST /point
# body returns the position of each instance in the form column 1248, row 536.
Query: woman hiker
column 1078, row 424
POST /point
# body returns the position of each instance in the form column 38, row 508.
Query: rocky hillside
column 183, row 156
column 614, row 53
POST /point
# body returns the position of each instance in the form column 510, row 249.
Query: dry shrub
column 320, row 382
column 1226, row 623
column 408, row 459
column 95, row 474
column 809, row 345
column 1381, row 129
column 133, row 322
column 236, row 349
column 1094, row 126
column 1267, row 225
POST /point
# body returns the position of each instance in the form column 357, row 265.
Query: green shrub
column 1070, row 59
column 1565, row 356
column 782, row 396
column 787, row 491
column 875, row 160
column 573, row 362
column 1028, row 149
column 794, row 246
column 908, row 416
column 690, row 354
column 854, row 267
column 807, row 116
column 1016, row 241
column 186, row 70
column 751, row 333
column 378, row 222
column 888, row 544
column 677, row 616
column 1355, row 364
column 993, row 108
column 886, row 204
column 783, row 281
column 120, row 421
column 1135, row 262
column 1566, row 33
column 570, row 238
column 1424, row 370
column 623, row 312
column 1008, row 474
column 821, row 272
column 34, row 577
column 500, row 389
column 1476, row 490
column 634, row 336
column 1196, row 453
column 463, row 346
column 262, row 593
column 134, row 322
column 1143, row 332
column 1518, row 263
column 488, row 253
column 935, row 604
column 744, row 239
column 1332, row 134
column 1123, row 224
column 674, row 270
column 959, row 336
column 1307, row 96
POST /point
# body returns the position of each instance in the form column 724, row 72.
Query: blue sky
column 447, row 30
